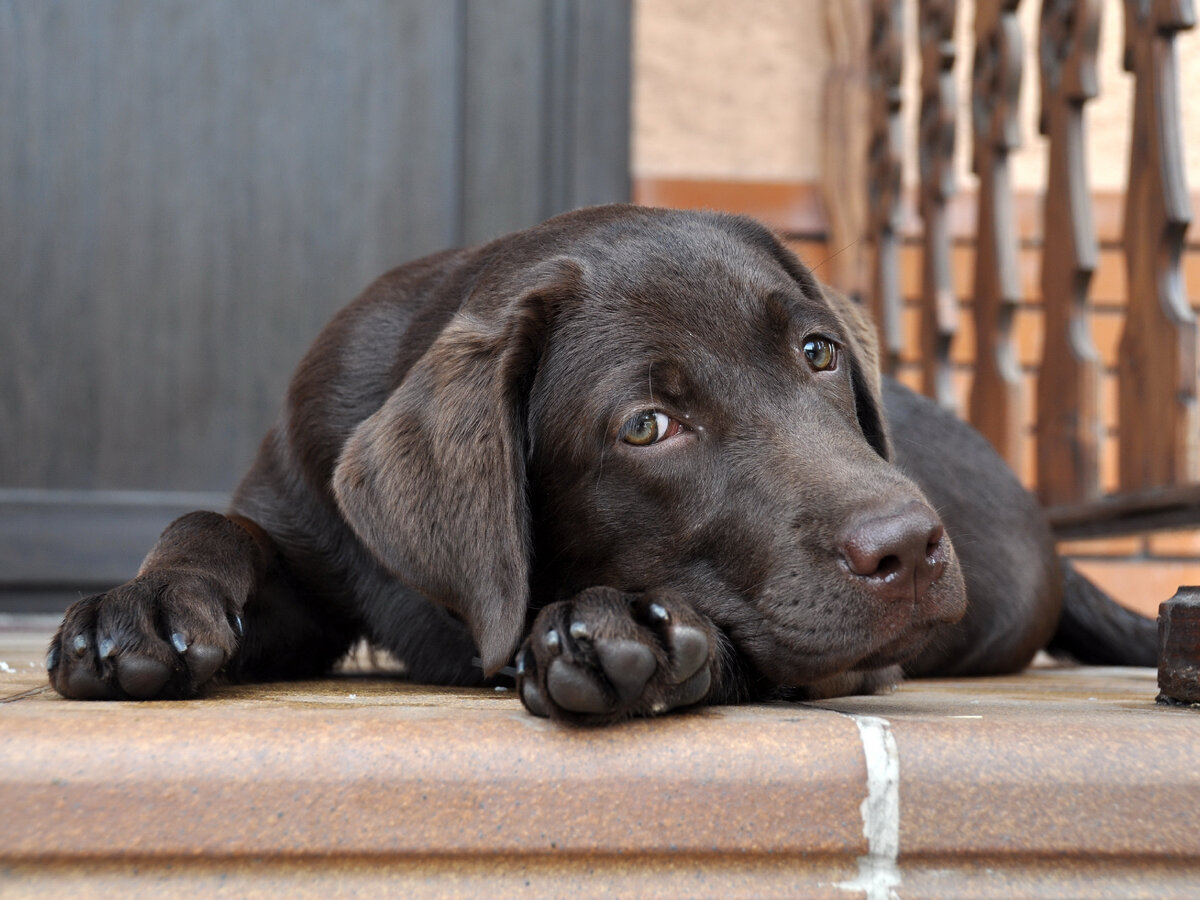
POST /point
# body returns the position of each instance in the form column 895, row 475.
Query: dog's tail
column 1097, row 630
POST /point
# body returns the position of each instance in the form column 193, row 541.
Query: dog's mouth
column 893, row 636
column 897, row 651
column 798, row 663
column 899, row 639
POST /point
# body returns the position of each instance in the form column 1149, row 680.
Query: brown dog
column 646, row 443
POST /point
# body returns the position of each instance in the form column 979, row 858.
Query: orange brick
column 962, row 388
column 1028, row 399
column 909, row 376
column 812, row 253
column 1179, row 544
column 962, row 348
column 1191, row 275
column 1108, row 402
column 910, row 320
column 1108, row 281
column 1026, row 467
column 910, row 271
column 962, row 270
column 1029, row 333
column 1126, row 546
column 1029, row 259
column 1109, row 472
column 1140, row 585
column 1107, row 326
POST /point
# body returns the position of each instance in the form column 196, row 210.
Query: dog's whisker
column 837, row 254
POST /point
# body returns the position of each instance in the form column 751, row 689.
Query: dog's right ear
column 434, row 482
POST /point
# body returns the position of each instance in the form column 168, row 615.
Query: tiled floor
column 1059, row 782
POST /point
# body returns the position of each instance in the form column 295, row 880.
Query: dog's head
column 646, row 398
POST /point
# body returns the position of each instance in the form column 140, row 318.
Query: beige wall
column 731, row 90
column 728, row 90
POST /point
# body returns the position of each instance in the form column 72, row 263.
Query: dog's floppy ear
column 434, row 482
column 865, row 373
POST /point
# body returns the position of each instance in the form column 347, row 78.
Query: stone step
column 1060, row 781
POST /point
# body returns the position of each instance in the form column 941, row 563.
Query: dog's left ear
column 434, row 482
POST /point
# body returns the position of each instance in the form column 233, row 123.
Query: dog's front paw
column 163, row 635
column 605, row 655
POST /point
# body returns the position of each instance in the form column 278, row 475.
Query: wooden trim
column 84, row 539
column 796, row 209
column 1176, row 507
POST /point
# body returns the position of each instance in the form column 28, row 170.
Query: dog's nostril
column 888, row 566
column 934, row 546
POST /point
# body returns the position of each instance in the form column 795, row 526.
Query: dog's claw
column 553, row 642
column 690, row 651
column 79, row 645
column 52, row 659
column 579, row 631
column 694, row 688
column 659, row 613
column 106, row 647
column 532, row 698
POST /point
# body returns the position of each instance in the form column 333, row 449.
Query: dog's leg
column 605, row 655
column 209, row 596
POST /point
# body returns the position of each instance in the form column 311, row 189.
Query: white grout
column 878, row 872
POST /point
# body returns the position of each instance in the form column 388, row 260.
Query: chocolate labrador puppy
column 641, row 451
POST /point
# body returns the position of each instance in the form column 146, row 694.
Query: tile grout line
column 878, row 872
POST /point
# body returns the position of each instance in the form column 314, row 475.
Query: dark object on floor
column 1179, row 647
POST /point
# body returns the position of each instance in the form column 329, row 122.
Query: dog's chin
column 898, row 651
column 797, row 667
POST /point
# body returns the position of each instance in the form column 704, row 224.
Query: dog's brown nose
column 899, row 553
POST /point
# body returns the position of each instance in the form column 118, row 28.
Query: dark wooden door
column 190, row 188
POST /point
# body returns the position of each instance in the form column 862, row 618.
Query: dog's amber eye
column 649, row 427
column 821, row 353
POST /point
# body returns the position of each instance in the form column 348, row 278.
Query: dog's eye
column 649, row 427
column 821, row 353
